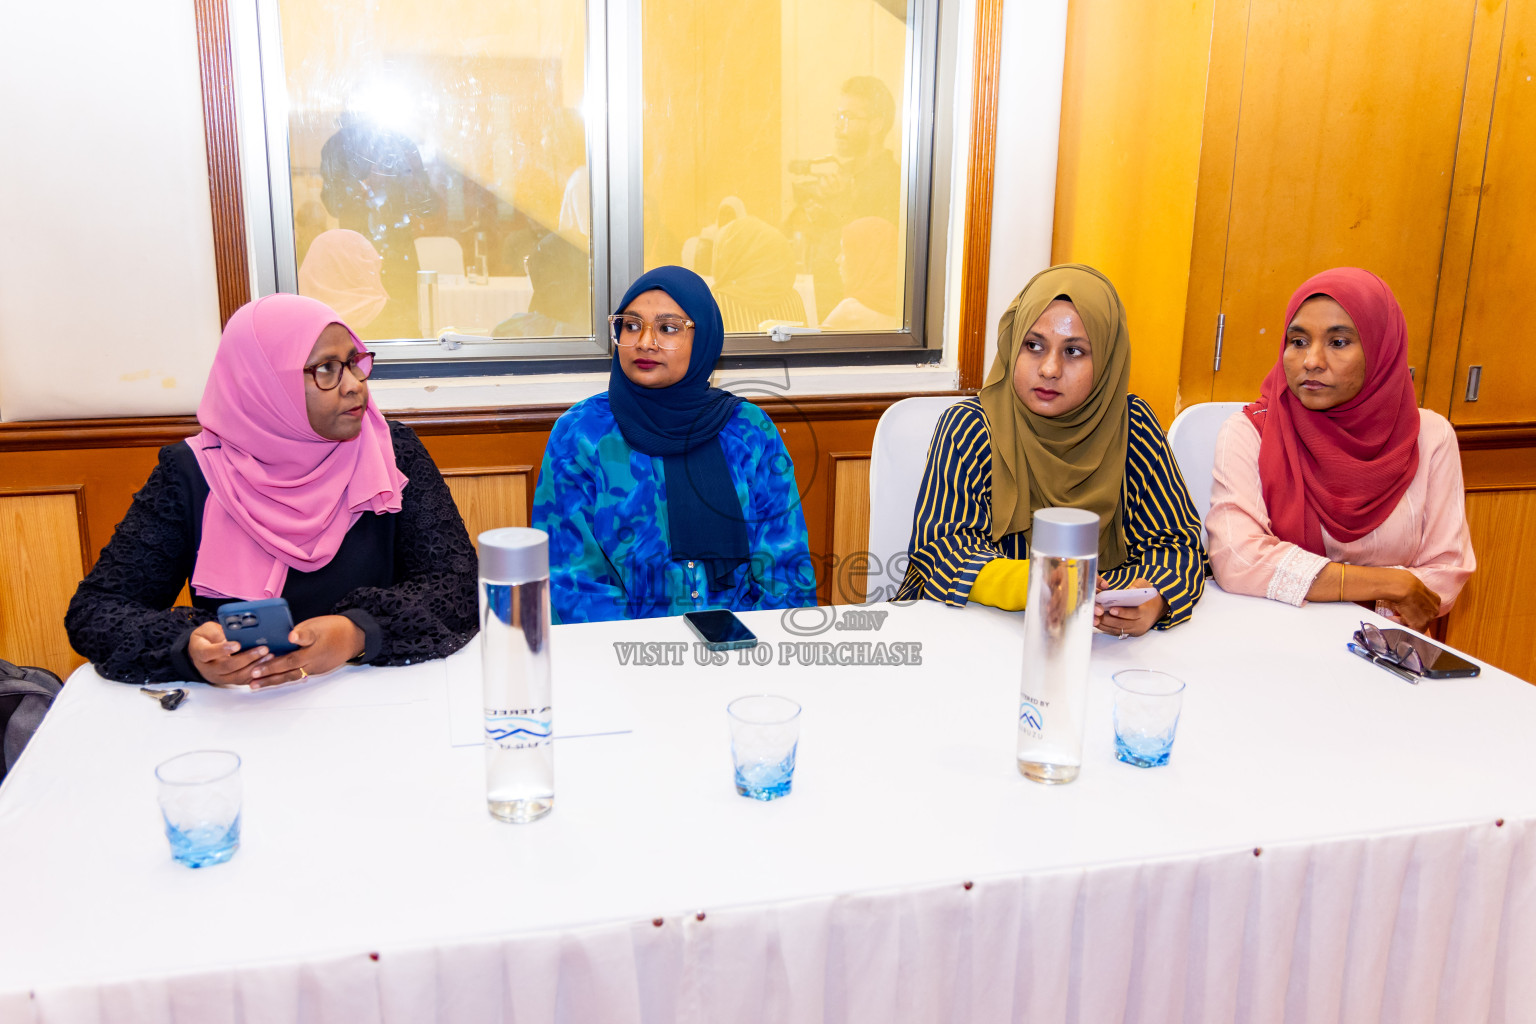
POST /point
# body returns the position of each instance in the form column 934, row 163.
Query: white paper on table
column 575, row 718
column 351, row 686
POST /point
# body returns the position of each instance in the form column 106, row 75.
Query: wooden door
column 1497, row 326
column 1346, row 143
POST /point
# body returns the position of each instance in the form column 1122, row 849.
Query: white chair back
column 1192, row 436
column 440, row 253
column 897, row 459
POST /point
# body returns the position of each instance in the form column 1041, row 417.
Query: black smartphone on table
column 265, row 623
column 1438, row 662
column 720, row 630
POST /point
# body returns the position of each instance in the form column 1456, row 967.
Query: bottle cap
column 1061, row 533
column 514, row 554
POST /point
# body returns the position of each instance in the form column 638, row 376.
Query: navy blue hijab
column 681, row 424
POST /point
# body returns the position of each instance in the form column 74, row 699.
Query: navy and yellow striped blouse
column 952, row 526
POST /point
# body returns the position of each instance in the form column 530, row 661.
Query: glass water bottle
column 1058, row 638
column 515, row 660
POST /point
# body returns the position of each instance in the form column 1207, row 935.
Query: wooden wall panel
column 1133, row 97
column 1490, row 619
column 1503, row 260
column 849, row 528
column 1438, row 380
column 490, row 498
column 107, row 477
column 1348, row 163
column 40, row 535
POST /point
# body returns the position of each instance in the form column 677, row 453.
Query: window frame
column 615, row 168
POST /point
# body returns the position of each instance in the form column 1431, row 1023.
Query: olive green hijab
column 1077, row 459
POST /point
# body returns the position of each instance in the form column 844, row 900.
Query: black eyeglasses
column 1404, row 655
column 328, row 374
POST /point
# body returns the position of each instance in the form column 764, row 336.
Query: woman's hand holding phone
column 326, row 643
column 220, row 661
column 1132, row 621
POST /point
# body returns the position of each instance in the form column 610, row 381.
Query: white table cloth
column 1328, row 843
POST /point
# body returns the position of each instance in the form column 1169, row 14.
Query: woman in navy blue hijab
column 665, row 495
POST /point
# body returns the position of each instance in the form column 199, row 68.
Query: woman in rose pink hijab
column 296, row 488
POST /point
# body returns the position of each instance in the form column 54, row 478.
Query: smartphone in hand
column 1124, row 598
column 265, row 623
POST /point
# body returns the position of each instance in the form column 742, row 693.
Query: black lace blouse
column 407, row 579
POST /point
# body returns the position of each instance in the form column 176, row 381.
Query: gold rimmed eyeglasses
column 669, row 332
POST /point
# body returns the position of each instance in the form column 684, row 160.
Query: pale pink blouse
column 1426, row 534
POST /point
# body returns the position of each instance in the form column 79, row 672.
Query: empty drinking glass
column 1147, row 706
column 200, row 797
column 765, row 732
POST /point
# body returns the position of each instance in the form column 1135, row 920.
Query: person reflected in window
column 871, row 270
column 1335, row 485
column 561, row 305
column 296, row 488
column 754, row 277
column 374, row 183
column 1054, row 426
column 341, row 269
column 861, row 179
column 699, row 251
column 664, row 495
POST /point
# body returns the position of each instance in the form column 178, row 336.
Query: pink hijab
column 281, row 496
column 341, row 269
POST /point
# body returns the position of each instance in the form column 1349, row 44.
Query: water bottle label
column 518, row 728
column 1032, row 715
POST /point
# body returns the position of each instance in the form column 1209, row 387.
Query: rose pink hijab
column 281, row 496
column 1346, row 468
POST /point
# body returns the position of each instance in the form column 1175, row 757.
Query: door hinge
column 1474, row 382
column 1221, row 328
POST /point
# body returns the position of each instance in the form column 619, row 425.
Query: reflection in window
column 770, row 166
column 452, row 145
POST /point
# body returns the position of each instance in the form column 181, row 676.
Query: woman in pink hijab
column 295, row 488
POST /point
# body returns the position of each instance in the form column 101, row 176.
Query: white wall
column 1028, row 127
column 108, row 302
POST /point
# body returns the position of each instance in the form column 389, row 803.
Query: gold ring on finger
column 303, row 674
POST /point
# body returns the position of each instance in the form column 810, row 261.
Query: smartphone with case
column 720, row 630
column 1124, row 598
column 265, row 623
column 1439, row 663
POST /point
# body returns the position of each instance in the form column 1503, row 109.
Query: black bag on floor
column 25, row 696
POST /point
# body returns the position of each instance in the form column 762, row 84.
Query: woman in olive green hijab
column 1055, row 427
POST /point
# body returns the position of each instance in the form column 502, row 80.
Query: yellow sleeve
column 1002, row 583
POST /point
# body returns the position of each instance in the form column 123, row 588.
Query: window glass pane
column 774, row 156
column 444, row 137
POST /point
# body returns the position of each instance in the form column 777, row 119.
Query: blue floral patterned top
column 604, row 506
